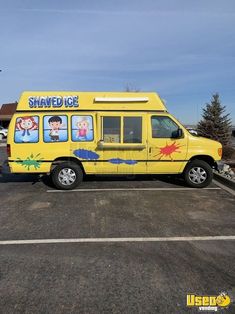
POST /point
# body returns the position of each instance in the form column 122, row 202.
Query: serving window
column 132, row 130
column 112, row 129
column 124, row 130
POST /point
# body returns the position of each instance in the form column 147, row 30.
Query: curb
column 229, row 183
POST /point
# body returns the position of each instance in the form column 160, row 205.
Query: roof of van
column 58, row 100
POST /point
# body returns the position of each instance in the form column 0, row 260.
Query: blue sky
column 184, row 49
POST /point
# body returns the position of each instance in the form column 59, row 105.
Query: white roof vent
column 121, row 99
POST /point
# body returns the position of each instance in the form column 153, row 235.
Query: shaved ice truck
column 71, row 134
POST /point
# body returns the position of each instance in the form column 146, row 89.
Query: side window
column 26, row 129
column 82, row 129
column 163, row 127
column 112, row 129
column 55, row 129
column 132, row 130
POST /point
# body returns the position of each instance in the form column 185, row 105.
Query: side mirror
column 177, row 134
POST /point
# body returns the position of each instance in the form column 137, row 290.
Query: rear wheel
column 198, row 174
column 67, row 176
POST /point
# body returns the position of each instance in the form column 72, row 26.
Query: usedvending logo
column 208, row 302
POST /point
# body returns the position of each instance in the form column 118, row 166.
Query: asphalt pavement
column 139, row 276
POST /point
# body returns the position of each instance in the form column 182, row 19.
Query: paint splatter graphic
column 168, row 150
column 130, row 162
column 86, row 154
column 119, row 161
column 31, row 161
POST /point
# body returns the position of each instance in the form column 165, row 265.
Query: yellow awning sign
column 76, row 101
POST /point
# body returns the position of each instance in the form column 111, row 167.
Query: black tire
column 198, row 174
column 74, row 172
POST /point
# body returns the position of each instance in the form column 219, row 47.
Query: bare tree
column 130, row 89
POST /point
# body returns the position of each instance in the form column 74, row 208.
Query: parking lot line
column 110, row 240
column 224, row 187
column 130, row 189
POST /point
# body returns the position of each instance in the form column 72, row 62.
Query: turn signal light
column 220, row 151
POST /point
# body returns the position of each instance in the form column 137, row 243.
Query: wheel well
column 205, row 158
column 71, row 159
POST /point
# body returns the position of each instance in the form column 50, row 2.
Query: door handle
column 150, row 150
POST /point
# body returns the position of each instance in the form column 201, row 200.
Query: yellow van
column 70, row 134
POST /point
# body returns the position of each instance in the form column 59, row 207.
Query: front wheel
column 67, row 176
column 198, row 174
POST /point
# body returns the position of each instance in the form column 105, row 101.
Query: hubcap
column 67, row 176
column 197, row 175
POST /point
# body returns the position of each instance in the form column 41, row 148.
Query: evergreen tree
column 215, row 124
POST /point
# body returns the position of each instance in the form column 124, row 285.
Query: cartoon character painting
column 27, row 125
column 83, row 129
column 55, row 123
column 55, row 128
